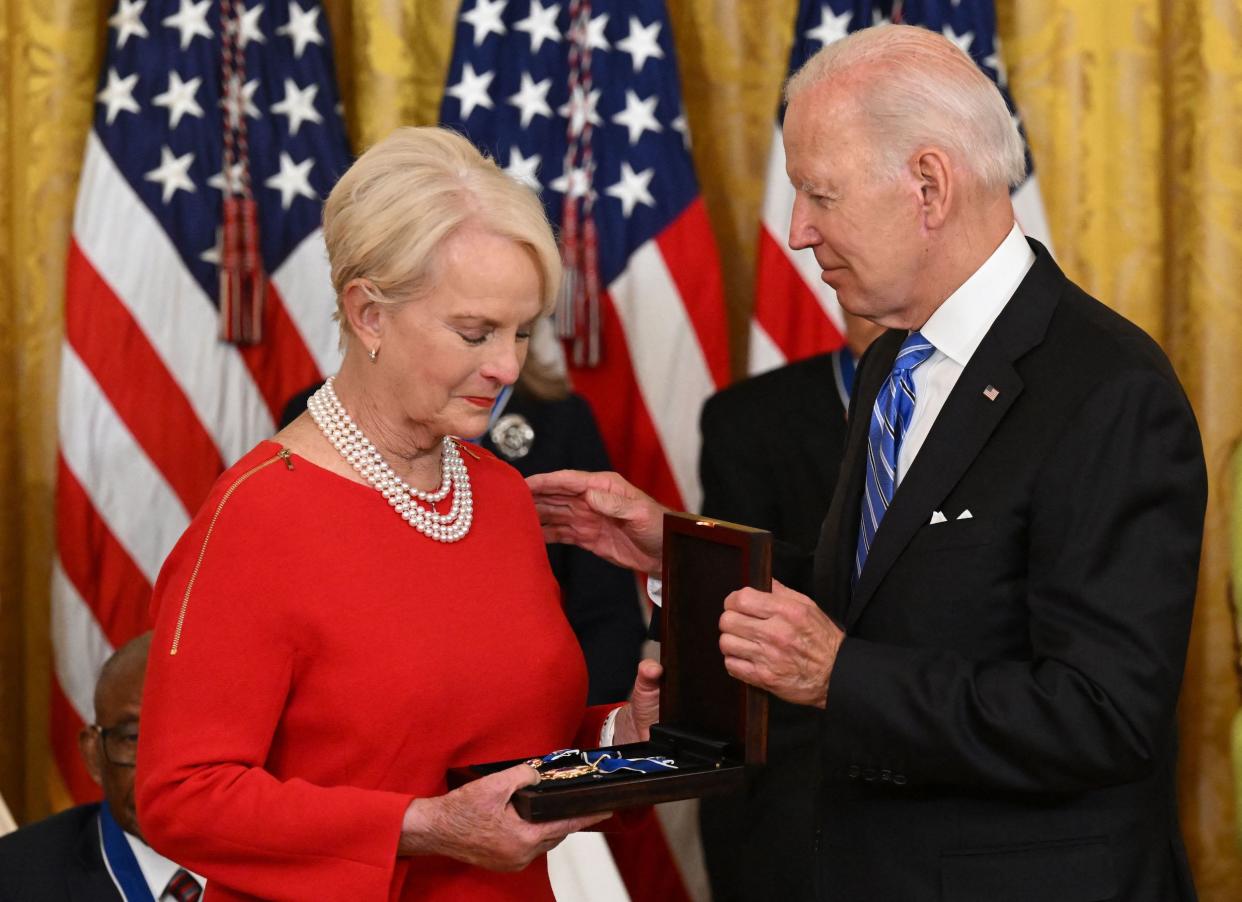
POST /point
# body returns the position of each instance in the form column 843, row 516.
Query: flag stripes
column 153, row 406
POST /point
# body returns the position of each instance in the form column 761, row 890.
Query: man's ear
column 936, row 187
column 361, row 312
column 92, row 753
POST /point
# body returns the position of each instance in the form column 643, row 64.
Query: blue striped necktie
column 894, row 406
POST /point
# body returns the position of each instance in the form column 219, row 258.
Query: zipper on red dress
column 283, row 454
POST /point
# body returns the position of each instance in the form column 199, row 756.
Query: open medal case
column 712, row 726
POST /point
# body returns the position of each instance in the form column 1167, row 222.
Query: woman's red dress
column 317, row 663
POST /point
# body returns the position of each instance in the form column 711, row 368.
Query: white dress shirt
column 156, row 869
column 955, row 330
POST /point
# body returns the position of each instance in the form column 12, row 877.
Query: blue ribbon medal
column 119, row 857
column 570, row 764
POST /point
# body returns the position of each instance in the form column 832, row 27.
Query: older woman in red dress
column 364, row 601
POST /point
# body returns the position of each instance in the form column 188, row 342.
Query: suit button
column 886, row 775
column 899, row 779
column 854, row 771
column 869, row 775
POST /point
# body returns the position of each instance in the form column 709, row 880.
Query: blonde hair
column 393, row 210
column 918, row 88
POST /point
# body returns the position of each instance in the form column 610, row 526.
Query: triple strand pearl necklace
column 330, row 416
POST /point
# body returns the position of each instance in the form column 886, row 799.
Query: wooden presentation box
column 711, row 725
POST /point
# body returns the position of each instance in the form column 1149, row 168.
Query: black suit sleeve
column 1113, row 550
column 735, row 469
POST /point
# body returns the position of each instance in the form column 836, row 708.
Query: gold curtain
column 1133, row 109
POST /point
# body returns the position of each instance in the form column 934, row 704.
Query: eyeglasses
column 120, row 743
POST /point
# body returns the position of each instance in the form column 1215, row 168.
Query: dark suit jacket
column 601, row 600
column 1000, row 722
column 770, row 455
column 56, row 859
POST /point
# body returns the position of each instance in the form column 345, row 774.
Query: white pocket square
column 965, row 515
column 937, row 517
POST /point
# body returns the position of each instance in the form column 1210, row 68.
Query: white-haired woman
column 364, row 601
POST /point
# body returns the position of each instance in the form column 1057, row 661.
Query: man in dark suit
column 770, row 454
column 1005, row 578
column 95, row 852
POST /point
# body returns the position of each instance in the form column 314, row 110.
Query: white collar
column 156, row 869
column 959, row 324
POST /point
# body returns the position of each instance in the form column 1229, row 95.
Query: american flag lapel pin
column 991, row 392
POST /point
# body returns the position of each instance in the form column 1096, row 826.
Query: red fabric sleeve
column 210, row 716
column 592, row 722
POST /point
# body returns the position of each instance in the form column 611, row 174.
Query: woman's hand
column 477, row 825
column 602, row 513
column 634, row 720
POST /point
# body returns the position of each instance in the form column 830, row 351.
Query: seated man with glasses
column 96, row 852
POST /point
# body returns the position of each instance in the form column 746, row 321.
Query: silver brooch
column 513, row 436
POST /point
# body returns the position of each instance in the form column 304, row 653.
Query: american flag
column 796, row 314
column 153, row 406
column 664, row 343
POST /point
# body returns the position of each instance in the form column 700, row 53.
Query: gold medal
column 568, row 773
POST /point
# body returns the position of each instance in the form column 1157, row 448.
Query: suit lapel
column 965, row 423
column 89, row 881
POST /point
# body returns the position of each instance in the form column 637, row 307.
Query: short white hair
column 918, row 89
column 393, row 211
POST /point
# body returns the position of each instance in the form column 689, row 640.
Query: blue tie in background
column 894, row 406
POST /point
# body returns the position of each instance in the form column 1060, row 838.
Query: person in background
column 778, row 473
column 95, row 852
column 364, row 601
column 538, row 425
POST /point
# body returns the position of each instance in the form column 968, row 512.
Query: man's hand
column 634, row 720
column 780, row 641
column 602, row 513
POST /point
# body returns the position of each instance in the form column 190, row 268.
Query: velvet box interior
column 711, row 726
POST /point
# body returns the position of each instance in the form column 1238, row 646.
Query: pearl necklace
column 337, row 427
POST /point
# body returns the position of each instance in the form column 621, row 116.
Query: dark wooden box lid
column 705, row 560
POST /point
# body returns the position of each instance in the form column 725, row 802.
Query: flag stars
column 632, row 189
column 229, row 180
column 179, row 99
column 595, row 33
column 238, row 97
column 532, row 99
column 302, row 29
column 298, row 105
column 212, row 254
column 993, row 61
column 250, row 30
column 127, row 20
column 173, row 174
column 293, row 180
column 581, row 109
column 540, row 24
column 118, row 95
column 831, row 28
column 524, row 168
column 682, row 127
column 642, row 43
column 577, row 184
column 472, row 90
column 484, row 18
column 963, row 40
column 191, row 21
column 638, row 115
